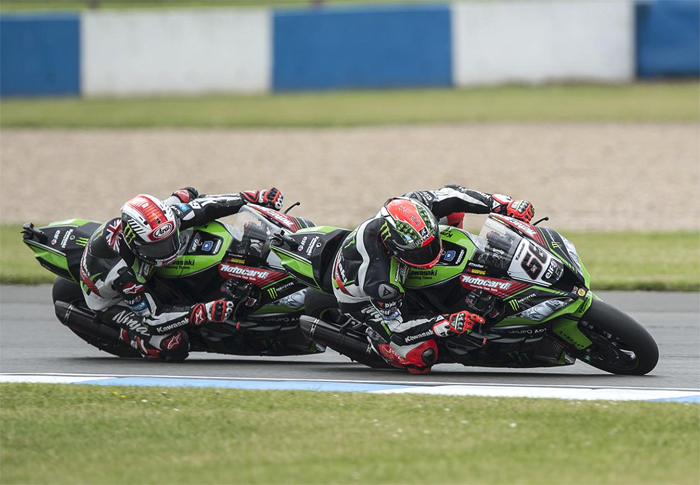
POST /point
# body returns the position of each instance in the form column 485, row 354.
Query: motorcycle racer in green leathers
column 370, row 269
column 122, row 254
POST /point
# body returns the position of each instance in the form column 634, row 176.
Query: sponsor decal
column 162, row 231
column 476, row 271
column 554, row 271
column 207, row 246
column 175, row 325
column 197, row 317
column 174, row 341
column 387, row 291
column 66, row 237
column 132, row 288
column 411, row 338
column 56, row 234
column 126, row 318
column 302, row 244
column 486, row 283
column 196, row 241
column 256, row 276
column 581, row 292
column 527, row 298
column 449, row 256
column 425, row 273
column 312, row 244
column 279, row 217
column 497, row 287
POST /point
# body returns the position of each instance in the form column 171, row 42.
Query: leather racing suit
column 112, row 276
column 368, row 281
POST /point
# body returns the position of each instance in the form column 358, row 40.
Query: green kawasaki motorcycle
column 527, row 282
column 221, row 260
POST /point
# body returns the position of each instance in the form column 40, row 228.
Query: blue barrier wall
column 362, row 47
column 668, row 38
column 40, row 55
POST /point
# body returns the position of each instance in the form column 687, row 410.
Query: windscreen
column 251, row 235
column 496, row 245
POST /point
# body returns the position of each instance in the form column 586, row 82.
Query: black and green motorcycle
column 221, row 260
column 528, row 282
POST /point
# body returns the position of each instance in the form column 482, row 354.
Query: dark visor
column 158, row 250
column 420, row 256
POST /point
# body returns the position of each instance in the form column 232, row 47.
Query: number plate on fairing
column 531, row 262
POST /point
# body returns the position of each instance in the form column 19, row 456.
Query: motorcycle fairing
column 205, row 246
column 59, row 246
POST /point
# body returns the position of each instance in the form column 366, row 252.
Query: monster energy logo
column 514, row 305
column 384, row 231
column 272, row 292
column 128, row 234
column 81, row 241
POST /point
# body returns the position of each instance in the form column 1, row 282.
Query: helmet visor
column 425, row 257
column 159, row 250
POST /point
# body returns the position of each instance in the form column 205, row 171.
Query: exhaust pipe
column 81, row 320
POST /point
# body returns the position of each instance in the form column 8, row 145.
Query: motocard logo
column 478, row 283
column 242, row 272
column 163, row 230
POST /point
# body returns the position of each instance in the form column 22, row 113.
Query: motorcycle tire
column 620, row 344
column 69, row 293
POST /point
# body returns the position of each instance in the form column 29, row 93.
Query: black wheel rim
column 607, row 351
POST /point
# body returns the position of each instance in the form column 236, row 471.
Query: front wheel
column 620, row 344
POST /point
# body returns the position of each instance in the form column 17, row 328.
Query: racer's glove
column 272, row 198
column 186, row 194
column 519, row 209
column 216, row 311
column 456, row 324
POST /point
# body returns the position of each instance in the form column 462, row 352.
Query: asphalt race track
column 33, row 341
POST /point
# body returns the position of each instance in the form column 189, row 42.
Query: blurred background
column 589, row 108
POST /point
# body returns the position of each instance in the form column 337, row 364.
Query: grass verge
column 642, row 102
column 91, row 434
column 664, row 261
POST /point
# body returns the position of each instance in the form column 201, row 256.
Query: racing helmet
column 413, row 234
column 151, row 230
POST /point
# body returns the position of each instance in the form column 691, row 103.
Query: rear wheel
column 620, row 344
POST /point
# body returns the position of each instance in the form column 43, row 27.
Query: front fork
column 565, row 327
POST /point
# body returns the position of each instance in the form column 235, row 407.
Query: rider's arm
column 455, row 198
column 206, row 208
column 161, row 318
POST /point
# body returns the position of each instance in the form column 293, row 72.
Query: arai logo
column 163, row 230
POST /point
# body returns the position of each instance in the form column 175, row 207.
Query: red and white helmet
column 412, row 233
column 151, row 230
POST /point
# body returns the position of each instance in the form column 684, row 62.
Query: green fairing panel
column 189, row 264
column 297, row 266
column 321, row 229
column 47, row 255
column 443, row 271
column 72, row 222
